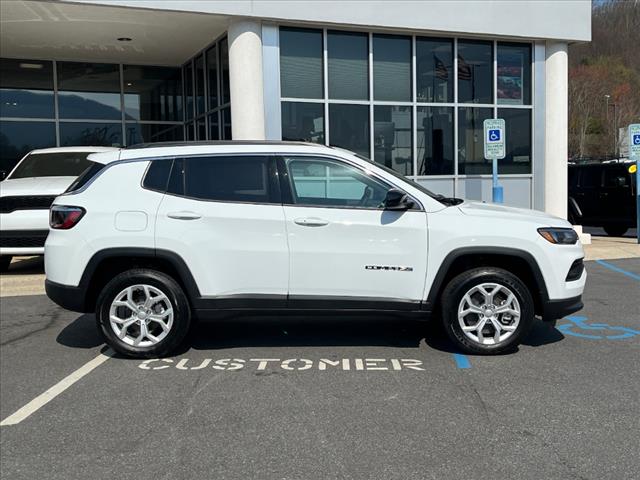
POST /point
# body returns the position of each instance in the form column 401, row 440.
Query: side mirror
column 397, row 200
column 3, row 175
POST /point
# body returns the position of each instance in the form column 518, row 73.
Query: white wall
column 539, row 19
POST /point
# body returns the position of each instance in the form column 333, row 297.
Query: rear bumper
column 556, row 309
column 68, row 297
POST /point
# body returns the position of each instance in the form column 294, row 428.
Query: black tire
column 615, row 230
column 457, row 288
column 175, row 295
column 5, row 261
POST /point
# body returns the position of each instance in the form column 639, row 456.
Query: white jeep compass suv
column 29, row 191
column 164, row 233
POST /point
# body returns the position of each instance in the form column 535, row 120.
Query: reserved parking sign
column 494, row 141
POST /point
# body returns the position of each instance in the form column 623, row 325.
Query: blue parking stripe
column 611, row 266
column 461, row 360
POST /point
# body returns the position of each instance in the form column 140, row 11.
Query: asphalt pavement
column 325, row 398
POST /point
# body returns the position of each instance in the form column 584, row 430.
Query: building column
column 556, row 132
column 245, row 80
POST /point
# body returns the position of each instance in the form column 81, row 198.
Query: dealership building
column 407, row 84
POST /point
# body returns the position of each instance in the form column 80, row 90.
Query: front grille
column 575, row 272
column 30, row 202
column 23, row 238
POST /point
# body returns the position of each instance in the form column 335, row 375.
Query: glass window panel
column 392, row 68
column 224, row 67
column 26, row 88
column 471, row 159
column 212, row 76
column 188, row 90
column 214, row 128
column 190, row 131
column 348, row 65
column 434, row 65
column 435, row 147
column 349, row 128
column 392, row 138
column 228, row 179
column 201, row 129
column 303, row 121
column 89, row 90
column 149, row 132
column 199, row 73
column 152, row 93
column 95, row 134
column 19, row 138
column 475, row 71
column 226, row 124
column 517, row 124
column 301, row 63
column 514, row 74
column 328, row 183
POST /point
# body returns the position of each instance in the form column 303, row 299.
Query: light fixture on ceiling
column 124, row 39
column 129, row 84
column 33, row 66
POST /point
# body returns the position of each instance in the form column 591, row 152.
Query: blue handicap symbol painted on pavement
column 636, row 139
column 494, row 135
column 598, row 331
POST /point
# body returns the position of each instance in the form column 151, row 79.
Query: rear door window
column 246, row 179
column 591, row 177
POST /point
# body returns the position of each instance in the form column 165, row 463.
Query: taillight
column 64, row 218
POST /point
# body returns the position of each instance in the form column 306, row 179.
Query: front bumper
column 68, row 297
column 556, row 309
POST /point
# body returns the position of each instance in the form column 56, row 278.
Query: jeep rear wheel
column 615, row 230
column 487, row 310
column 143, row 313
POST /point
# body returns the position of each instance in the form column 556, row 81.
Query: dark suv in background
column 602, row 194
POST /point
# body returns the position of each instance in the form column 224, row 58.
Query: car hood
column 35, row 186
column 494, row 210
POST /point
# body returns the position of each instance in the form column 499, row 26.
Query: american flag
column 441, row 69
column 464, row 69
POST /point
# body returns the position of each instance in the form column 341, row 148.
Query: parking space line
column 615, row 268
column 462, row 361
column 41, row 400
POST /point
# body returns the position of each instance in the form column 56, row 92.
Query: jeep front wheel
column 143, row 313
column 487, row 310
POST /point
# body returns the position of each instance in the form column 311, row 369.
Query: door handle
column 311, row 222
column 184, row 215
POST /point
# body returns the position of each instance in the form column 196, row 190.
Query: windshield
column 69, row 164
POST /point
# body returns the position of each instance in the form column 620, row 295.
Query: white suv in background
column 28, row 192
column 168, row 232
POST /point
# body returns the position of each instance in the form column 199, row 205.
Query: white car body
column 27, row 219
column 309, row 228
column 244, row 254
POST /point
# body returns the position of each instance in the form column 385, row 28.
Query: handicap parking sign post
column 494, row 150
column 634, row 154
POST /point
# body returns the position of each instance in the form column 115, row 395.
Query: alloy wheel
column 141, row 315
column 489, row 313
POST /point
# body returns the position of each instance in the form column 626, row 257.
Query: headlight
column 561, row 236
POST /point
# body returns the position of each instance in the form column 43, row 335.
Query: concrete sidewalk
column 609, row 248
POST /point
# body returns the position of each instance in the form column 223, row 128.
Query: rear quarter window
column 157, row 175
column 85, row 177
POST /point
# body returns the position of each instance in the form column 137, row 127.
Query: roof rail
column 217, row 142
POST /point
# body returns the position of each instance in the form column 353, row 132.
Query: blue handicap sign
column 595, row 331
column 636, row 139
column 494, row 135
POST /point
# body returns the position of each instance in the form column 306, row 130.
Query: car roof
column 172, row 149
column 72, row 149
